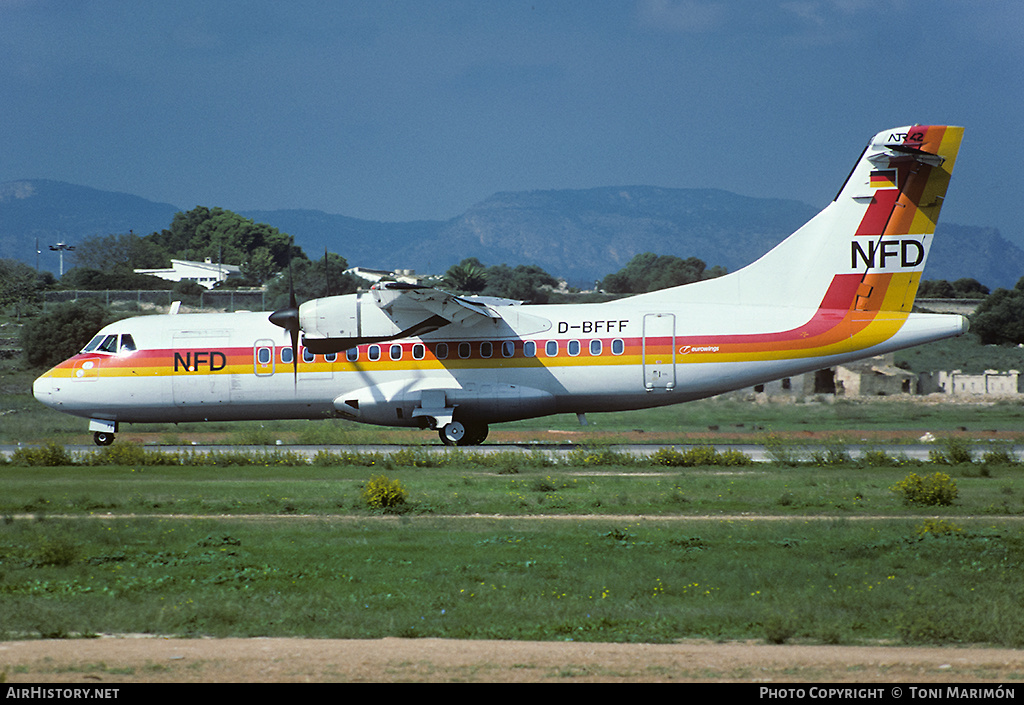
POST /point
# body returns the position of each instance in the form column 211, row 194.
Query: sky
column 403, row 110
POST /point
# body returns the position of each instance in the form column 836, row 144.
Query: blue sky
column 405, row 110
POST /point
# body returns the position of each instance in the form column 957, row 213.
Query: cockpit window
column 109, row 344
column 93, row 344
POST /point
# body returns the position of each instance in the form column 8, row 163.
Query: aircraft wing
column 398, row 300
column 392, row 310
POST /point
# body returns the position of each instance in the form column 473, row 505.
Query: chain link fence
column 160, row 301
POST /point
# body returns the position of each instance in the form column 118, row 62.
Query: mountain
column 54, row 211
column 580, row 235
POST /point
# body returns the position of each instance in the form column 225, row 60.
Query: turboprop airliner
column 838, row 289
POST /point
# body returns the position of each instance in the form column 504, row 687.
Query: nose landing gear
column 103, row 431
column 102, row 438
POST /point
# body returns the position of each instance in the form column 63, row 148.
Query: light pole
column 61, row 247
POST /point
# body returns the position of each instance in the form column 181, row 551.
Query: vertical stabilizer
column 867, row 249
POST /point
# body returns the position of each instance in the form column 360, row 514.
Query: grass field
column 634, row 552
column 606, row 549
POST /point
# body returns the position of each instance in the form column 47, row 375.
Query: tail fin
column 907, row 173
column 874, row 237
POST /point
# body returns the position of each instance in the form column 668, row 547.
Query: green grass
column 463, row 489
column 548, row 553
column 833, row 581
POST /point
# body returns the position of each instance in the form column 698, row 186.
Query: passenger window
column 529, row 348
column 551, row 348
column 595, row 346
column 464, row 350
column 574, row 347
column 441, row 351
column 286, row 356
column 396, row 352
column 263, row 356
column 307, row 356
column 127, row 343
column 508, row 349
column 331, row 357
column 618, row 347
column 486, row 349
column 352, row 354
column 373, row 353
column 419, row 350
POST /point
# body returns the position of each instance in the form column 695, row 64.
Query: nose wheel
column 102, row 438
column 463, row 433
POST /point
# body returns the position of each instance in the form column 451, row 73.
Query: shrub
column 50, row 455
column 598, row 457
column 999, row 455
column 699, row 455
column 834, row 453
column 780, row 451
column 937, row 490
column 938, row 527
column 58, row 551
column 62, row 331
column 383, row 493
column 132, row 454
column 955, row 451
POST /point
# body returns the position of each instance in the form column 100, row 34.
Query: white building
column 990, row 382
column 407, row 276
column 206, row 274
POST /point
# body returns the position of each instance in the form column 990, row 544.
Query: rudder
column 903, row 176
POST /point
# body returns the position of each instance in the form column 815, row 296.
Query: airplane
column 838, row 289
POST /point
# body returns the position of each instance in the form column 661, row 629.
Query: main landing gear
column 463, row 433
column 102, row 438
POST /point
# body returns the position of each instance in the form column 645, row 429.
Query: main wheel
column 452, row 433
column 102, row 438
column 458, row 433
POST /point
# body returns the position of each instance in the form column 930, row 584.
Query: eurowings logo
column 687, row 349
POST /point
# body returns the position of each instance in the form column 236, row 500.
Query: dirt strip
column 111, row 660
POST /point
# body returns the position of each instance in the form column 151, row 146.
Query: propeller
column 288, row 318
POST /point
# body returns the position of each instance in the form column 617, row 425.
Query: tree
column 312, row 280
column 61, row 332
column 968, row 288
column 965, row 288
column 121, row 277
column 1000, row 317
column 223, row 236
column 19, row 284
column 523, row 283
column 468, row 275
column 650, row 272
column 106, row 252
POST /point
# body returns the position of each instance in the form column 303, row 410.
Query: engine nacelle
column 347, row 316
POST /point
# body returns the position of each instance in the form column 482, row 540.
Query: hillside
column 579, row 235
column 54, row 211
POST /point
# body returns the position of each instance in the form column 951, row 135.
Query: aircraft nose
column 44, row 389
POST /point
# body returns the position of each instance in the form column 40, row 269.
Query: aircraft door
column 199, row 376
column 263, row 358
column 659, row 351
